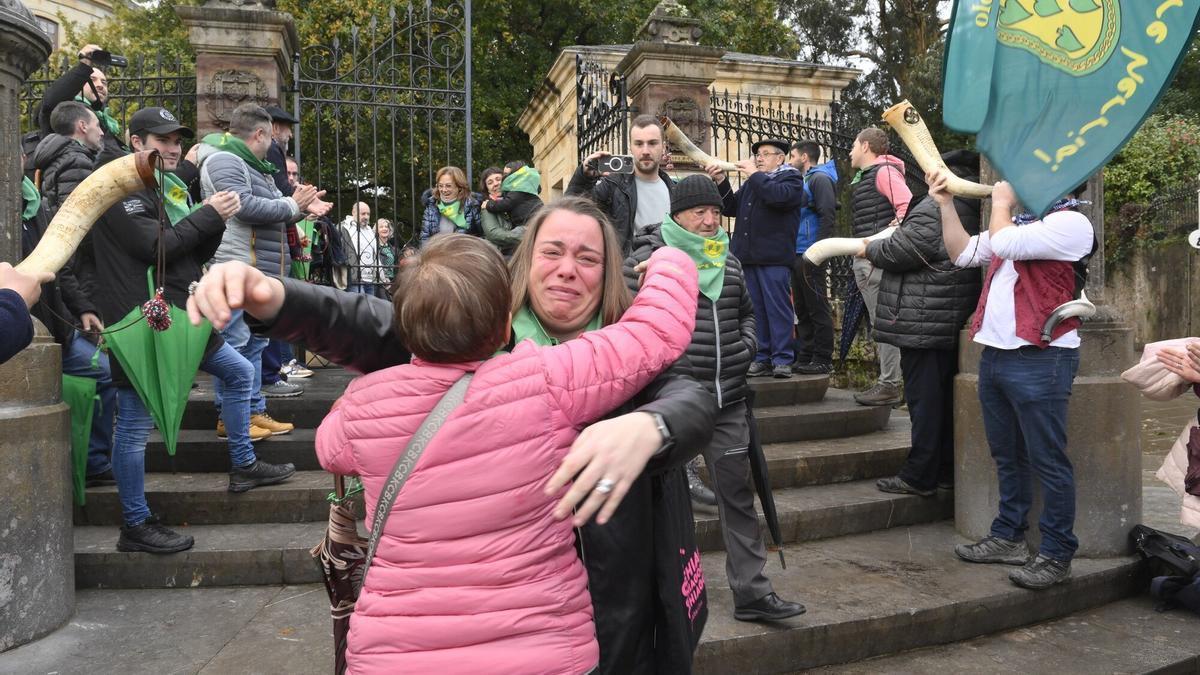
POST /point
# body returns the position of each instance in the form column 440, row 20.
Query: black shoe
column 150, row 536
column 898, row 486
column 1041, row 572
column 994, row 551
column 814, row 368
column 700, row 492
column 100, row 479
column 259, row 473
column 759, row 369
column 770, row 607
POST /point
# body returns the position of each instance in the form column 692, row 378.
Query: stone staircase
column 876, row 571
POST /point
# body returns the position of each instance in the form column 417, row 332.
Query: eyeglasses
column 762, row 155
column 447, row 186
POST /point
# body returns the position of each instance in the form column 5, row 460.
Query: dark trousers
column 274, row 357
column 814, row 322
column 929, row 392
column 769, row 287
column 1024, row 394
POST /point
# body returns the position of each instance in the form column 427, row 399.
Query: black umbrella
column 853, row 310
column 762, row 479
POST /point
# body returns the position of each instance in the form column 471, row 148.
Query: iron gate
column 384, row 107
column 601, row 109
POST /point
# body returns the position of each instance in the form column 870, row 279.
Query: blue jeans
column 770, row 289
column 77, row 360
column 364, row 288
column 1024, row 394
column 134, row 424
column 237, row 335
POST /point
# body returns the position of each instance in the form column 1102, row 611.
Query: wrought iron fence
column 169, row 83
column 1176, row 211
column 601, row 109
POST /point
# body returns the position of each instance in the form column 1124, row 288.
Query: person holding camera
column 632, row 190
column 88, row 84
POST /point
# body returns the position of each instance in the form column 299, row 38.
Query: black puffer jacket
column 924, row 300
column 616, row 195
column 64, row 163
column 637, row 616
column 719, row 358
column 872, row 210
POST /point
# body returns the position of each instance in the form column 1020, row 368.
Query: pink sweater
column 472, row 573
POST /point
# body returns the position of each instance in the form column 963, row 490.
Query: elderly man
column 720, row 354
column 767, row 206
column 363, row 249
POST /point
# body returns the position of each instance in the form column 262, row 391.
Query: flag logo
column 1075, row 36
column 714, row 249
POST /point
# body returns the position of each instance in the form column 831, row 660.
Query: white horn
column 832, row 247
column 1081, row 308
column 907, row 122
column 85, row 205
column 680, row 141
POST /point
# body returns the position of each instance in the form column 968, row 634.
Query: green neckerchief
column 32, row 198
column 525, row 326
column 176, row 199
column 525, row 179
column 708, row 253
column 453, row 211
column 110, row 123
column 857, row 177
column 230, row 143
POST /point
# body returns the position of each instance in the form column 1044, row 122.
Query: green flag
column 79, row 393
column 1054, row 88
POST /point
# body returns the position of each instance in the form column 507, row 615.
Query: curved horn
column 1081, row 308
column 907, row 122
column 832, row 247
column 85, row 205
column 680, row 140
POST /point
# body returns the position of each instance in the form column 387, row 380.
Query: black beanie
column 694, row 191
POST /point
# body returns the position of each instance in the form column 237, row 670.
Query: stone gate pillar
column 1103, row 425
column 243, row 53
column 668, row 73
column 37, row 566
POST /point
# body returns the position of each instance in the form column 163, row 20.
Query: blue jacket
column 816, row 217
column 431, row 218
column 18, row 327
column 767, row 208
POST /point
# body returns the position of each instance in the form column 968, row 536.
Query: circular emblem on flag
column 1075, row 36
column 713, row 248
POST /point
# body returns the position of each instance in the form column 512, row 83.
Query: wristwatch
column 668, row 441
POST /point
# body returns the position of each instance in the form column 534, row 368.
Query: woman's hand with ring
column 609, row 452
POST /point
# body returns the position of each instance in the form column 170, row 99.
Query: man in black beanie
column 721, row 351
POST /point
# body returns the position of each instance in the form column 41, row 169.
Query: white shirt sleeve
column 1065, row 235
column 977, row 253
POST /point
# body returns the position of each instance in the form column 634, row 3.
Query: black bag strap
column 408, row 459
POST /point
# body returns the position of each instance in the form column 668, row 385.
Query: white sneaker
column 293, row 369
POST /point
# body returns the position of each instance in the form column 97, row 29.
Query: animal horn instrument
column 85, row 205
column 907, row 122
column 677, row 138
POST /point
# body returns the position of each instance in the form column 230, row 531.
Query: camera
column 613, row 164
column 101, row 57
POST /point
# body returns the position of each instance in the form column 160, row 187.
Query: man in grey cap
column 722, row 348
column 767, row 206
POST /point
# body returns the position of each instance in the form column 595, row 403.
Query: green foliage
column 1163, row 154
column 135, row 31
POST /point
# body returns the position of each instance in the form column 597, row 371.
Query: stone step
column 838, row 460
column 1126, row 636
column 204, row 499
column 795, row 389
column 199, row 450
column 826, row 511
column 836, row 416
column 889, row 591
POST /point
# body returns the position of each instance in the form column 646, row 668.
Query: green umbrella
column 79, row 393
column 161, row 364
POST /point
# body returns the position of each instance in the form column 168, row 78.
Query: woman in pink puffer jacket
column 473, row 573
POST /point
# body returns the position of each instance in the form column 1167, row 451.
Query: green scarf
column 708, row 253
column 453, row 211
column 525, row 179
column 525, row 326
column 31, row 197
column 857, row 177
column 110, row 123
column 176, row 199
column 230, row 143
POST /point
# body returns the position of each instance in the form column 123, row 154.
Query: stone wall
column 1157, row 292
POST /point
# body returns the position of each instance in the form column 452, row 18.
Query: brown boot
column 276, row 428
column 257, row 433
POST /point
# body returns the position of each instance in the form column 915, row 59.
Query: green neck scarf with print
column 453, row 212
column 31, row 197
column 525, row 326
column 176, row 200
column 708, row 253
column 525, row 179
column 110, row 123
column 230, row 143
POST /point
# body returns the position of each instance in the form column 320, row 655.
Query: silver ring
column 192, row 287
column 605, row 486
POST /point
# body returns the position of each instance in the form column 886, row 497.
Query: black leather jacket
column 616, row 195
column 624, row 558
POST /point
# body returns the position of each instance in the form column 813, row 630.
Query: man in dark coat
column 89, row 85
column 814, row 320
column 67, row 156
column 924, row 300
column 767, row 206
column 721, row 351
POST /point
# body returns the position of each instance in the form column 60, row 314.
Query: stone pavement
column 285, row 629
